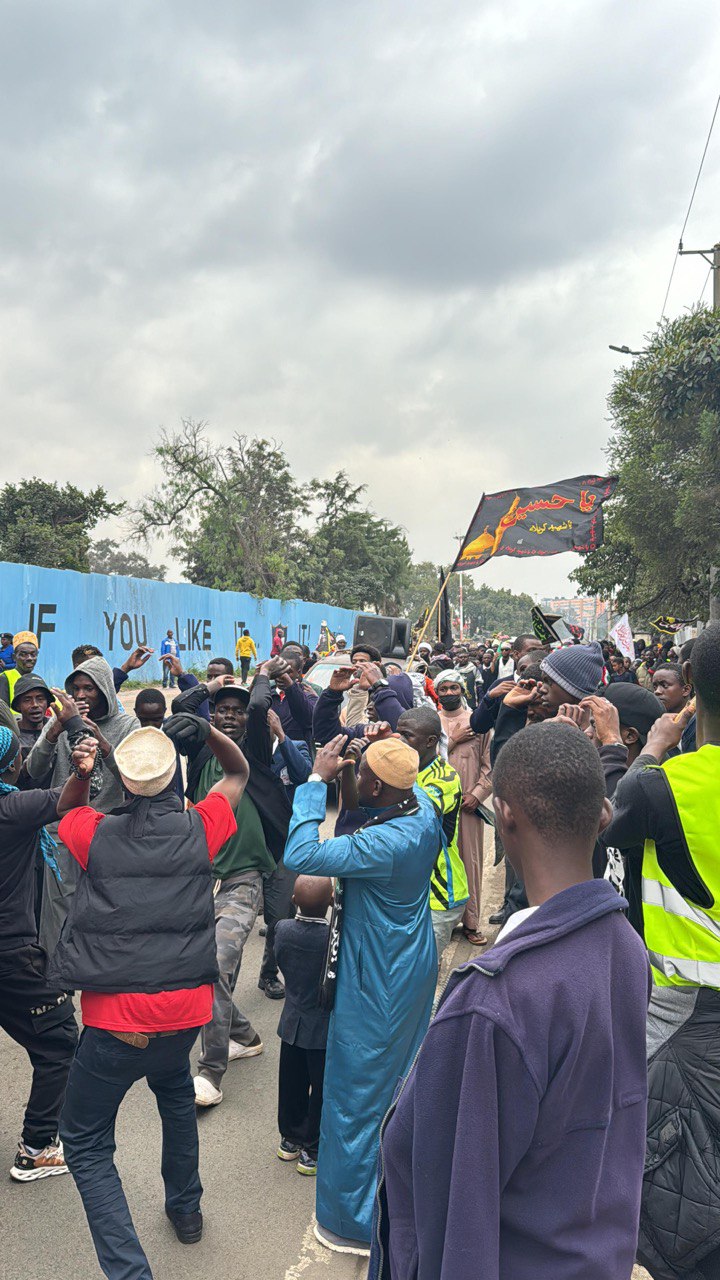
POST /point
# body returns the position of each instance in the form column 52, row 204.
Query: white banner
column 622, row 637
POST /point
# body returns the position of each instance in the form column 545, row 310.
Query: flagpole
column 426, row 624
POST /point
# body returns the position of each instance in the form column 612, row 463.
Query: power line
column 690, row 205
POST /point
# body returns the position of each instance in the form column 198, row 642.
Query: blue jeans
column 102, row 1073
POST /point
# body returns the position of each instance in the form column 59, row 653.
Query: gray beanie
column 577, row 669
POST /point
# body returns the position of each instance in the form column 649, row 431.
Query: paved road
column 258, row 1210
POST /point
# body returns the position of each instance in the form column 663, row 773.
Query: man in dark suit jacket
column 300, row 947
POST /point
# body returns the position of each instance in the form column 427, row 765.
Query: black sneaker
column 307, row 1164
column 273, row 988
column 188, row 1226
column 288, row 1150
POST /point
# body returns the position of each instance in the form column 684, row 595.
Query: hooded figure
column 106, row 788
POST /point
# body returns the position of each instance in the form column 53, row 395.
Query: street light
column 625, row 350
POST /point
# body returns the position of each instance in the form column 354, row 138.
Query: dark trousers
column 102, row 1073
column 515, row 897
column 277, row 905
column 43, row 1022
column 244, row 669
column 300, row 1095
column 168, row 677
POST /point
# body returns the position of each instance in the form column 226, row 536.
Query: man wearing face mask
column 469, row 755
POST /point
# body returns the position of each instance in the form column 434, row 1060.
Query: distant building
column 591, row 613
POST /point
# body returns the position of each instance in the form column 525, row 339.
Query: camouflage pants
column 237, row 903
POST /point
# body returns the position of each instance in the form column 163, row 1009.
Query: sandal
column 475, row 938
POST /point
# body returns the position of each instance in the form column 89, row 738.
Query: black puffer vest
column 142, row 918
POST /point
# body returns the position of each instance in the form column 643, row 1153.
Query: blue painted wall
column 65, row 609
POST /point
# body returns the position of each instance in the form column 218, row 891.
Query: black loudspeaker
column 390, row 635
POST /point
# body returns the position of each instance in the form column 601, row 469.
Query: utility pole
column 459, row 537
column 714, row 264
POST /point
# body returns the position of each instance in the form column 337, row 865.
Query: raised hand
column 83, row 757
column 370, row 673
column 214, row 686
column 353, row 752
column 186, row 730
column 342, row 679
column 664, row 735
column 137, row 658
column 275, row 725
column 574, row 713
column 278, row 669
column 522, row 694
column 174, row 664
column 378, row 731
column 330, row 759
column 605, row 718
column 501, row 690
column 67, row 709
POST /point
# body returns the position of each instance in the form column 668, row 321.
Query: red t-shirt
column 134, row 1010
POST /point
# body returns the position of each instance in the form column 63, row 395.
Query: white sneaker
column 251, row 1050
column 206, row 1095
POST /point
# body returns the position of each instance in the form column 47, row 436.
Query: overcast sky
column 397, row 237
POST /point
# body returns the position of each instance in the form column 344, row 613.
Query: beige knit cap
column 146, row 761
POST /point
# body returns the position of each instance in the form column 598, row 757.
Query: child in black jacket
column 300, row 949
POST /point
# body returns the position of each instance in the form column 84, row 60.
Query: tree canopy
column 107, row 556
column 662, row 530
column 47, row 525
column 239, row 519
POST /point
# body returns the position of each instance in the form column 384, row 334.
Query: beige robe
column 472, row 761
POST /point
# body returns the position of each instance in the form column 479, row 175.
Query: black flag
column 444, row 615
column 566, row 516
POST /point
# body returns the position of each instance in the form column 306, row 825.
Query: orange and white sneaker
column 46, row 1164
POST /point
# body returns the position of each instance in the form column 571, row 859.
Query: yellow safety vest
column 448, row 879
column 12, row 676
column 682, row 938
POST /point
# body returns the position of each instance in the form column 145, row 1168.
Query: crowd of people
column 536, row 1118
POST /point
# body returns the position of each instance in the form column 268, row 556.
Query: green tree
column 353, row 558
column 232, row 513
column 662, row 530
column 107, row 557
column 45, row 524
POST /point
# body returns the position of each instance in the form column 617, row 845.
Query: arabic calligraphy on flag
column 543, row 521
column 622, row 637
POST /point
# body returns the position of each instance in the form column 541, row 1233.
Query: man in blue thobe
column 386, row 971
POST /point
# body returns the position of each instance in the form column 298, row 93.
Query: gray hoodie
column 114, row 725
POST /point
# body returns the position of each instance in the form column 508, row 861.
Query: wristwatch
column 379, row 684
column 315, row 777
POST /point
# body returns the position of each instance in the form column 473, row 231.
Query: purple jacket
column 390, row 702
column 295, row 710
column 516, row 1145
